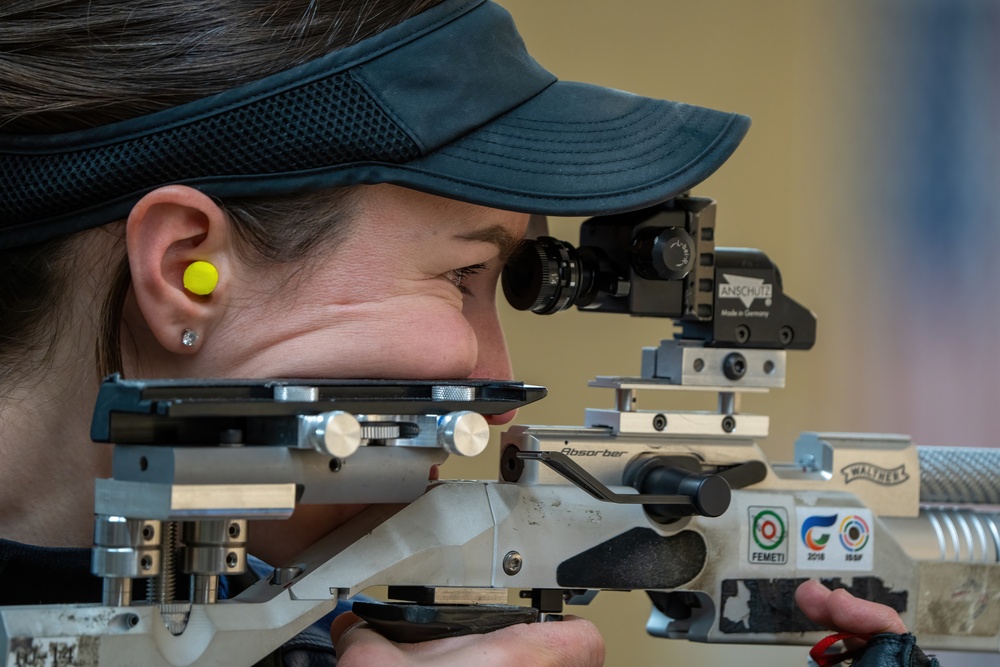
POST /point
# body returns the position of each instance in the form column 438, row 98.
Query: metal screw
column 336, row 464
column 146, row 562
column 232, row 559
column 699, row 365
column 234, row 530
column 660, row 422
column 742, row 333
column 769, row 367
column 786, row 335
column 728, row 424
column 512, row 563
column 734, row 366
column 148, row 532
column 131, row 620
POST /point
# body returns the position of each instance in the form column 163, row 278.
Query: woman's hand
column 840, row 611
column 573, row 642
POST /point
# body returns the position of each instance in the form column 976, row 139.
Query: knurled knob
column 336, row 433
column 464, row 433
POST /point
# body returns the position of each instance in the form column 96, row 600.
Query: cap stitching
column 358, row 75
column 449, row 150
column 648, row 102
column 713, row 148
column 654, row 109
column 652, row 127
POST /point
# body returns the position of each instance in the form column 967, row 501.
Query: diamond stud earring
column 189, row 338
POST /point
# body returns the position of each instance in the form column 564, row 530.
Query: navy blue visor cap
column 448, row 102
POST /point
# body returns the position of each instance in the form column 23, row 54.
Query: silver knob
column 336, row 433
column 464, row 433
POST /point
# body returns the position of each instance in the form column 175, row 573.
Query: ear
column 167, row 230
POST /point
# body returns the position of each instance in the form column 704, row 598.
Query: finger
column 342, row 624
column 850, row 614
column 841, row 611
column 570, row 643
column 345, row 631
column 811, row 597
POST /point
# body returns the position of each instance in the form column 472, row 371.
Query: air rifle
column 683, row 505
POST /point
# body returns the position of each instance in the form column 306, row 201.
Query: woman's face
column 410, row 293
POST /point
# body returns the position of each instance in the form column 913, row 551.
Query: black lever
column 669, row 487
column 572, row 471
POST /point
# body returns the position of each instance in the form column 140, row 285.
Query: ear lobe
column 168, row 230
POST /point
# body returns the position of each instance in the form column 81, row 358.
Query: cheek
column 432, row 343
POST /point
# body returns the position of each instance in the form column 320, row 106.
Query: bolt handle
column 576, row 474
column 709, row 494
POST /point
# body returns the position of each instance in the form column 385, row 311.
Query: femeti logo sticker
column 768, row 535
column 831, row 538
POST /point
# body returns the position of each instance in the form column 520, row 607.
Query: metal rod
column 729, row 403
column 204, row 588
column 626, row 400
column 117, row 592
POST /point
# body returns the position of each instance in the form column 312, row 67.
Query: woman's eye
column 459, row 276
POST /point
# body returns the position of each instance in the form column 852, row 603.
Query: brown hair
column 72, row 64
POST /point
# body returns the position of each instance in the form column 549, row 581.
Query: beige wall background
column 795, row 68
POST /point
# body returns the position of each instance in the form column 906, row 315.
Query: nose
column 501, row 419
column 493, row 358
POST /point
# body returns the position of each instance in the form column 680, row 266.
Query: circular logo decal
column 854, row 533
column 768, row 530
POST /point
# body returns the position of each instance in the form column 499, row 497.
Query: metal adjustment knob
column 336, row 433
column 666, row 253
column 464, row 433
column 124, row 549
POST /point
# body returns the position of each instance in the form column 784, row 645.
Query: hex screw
column 660, row 422
column 699, row 365
column 512, row 563
column 728, row 424
column 786, row 335
column 734, row 366
column 742, row 333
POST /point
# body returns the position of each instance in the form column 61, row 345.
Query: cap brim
column 579, row 149
column 448, row 102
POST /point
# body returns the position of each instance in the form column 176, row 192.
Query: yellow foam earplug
column 200, row 278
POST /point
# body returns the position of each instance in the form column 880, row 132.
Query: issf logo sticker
column 831, row 538
column 768, row 541
column 854, row 533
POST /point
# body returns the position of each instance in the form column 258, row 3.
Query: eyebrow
column 497, row 235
